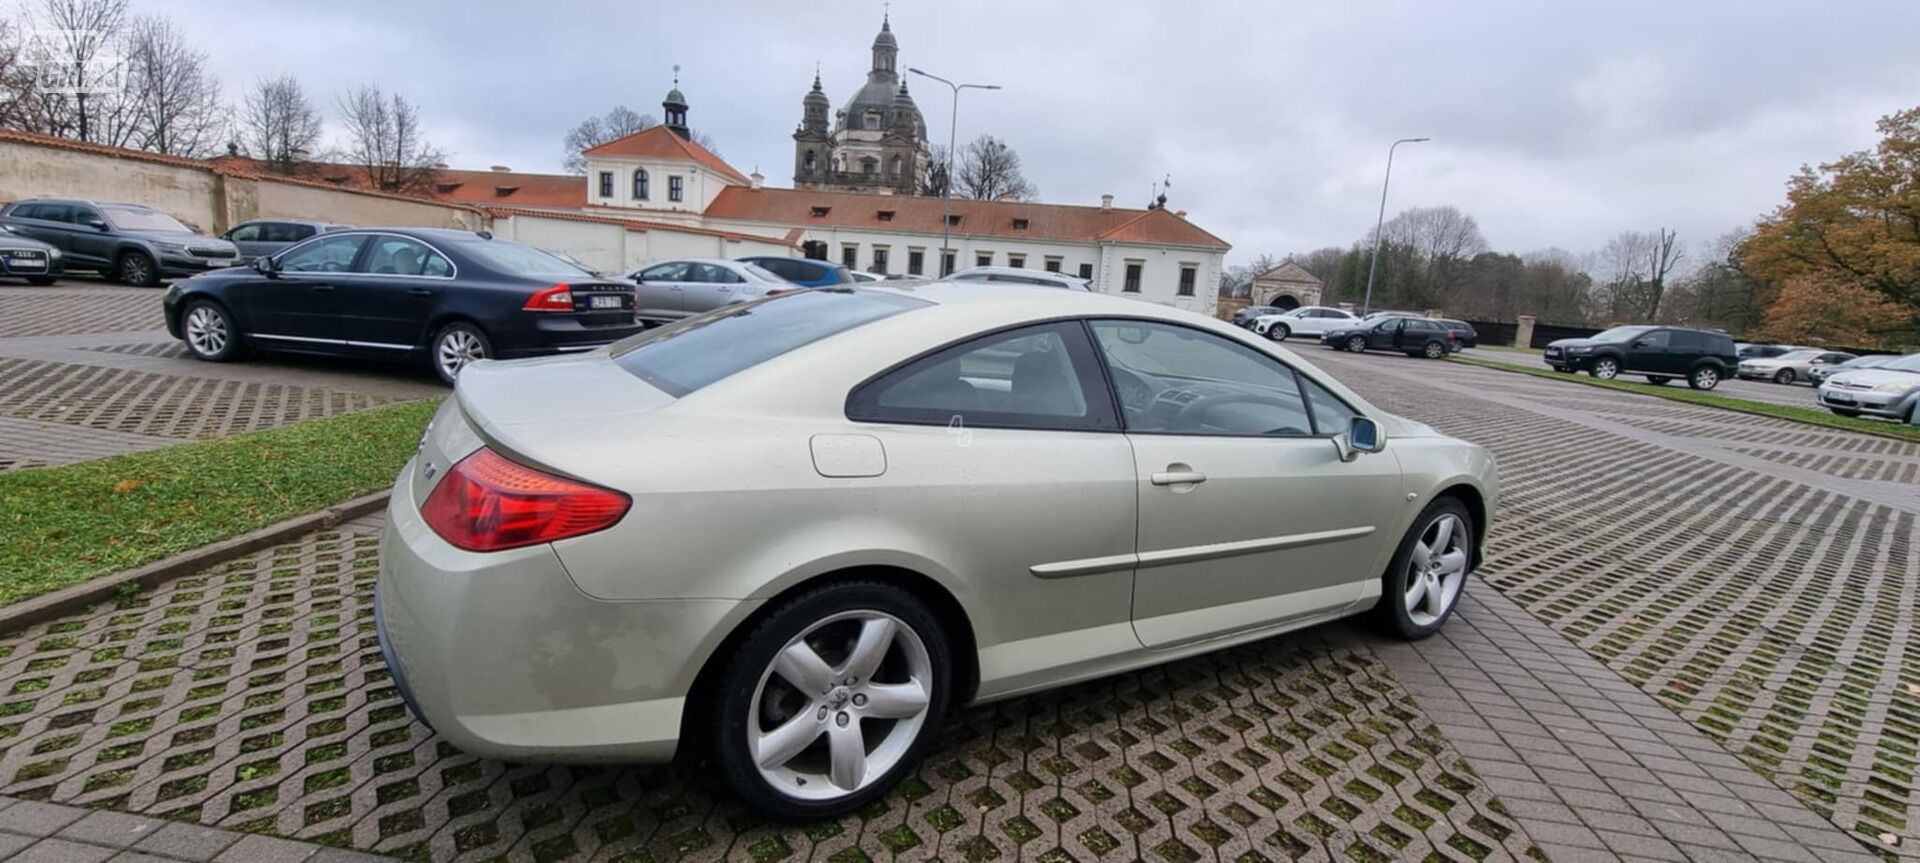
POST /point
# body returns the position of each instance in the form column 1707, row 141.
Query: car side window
column 1041, row 377
column 246, row 233
column 1331, row 416
column 28, row 211
column 84, row 216
column 329, row 255
column 668, row 272
column 714, row 274
column 1655, row 339
column 57, row 213
column 1175, row 380
column 1685, row 340
column 404, row 256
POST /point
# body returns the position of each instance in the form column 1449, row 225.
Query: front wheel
column 1278, row 332
column 1357, row 344
column 137, row 269
column 1605, row 368
column 830, row 700
column 1704, row 378
column 1428, row 572
column 456, row 345
column 1434, row 350
column 209, row 332
column 1658, row 380
column 1783, row 376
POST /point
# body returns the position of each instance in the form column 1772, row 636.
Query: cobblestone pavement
column 89, row 370
column 1758, row 578
column 35, row 832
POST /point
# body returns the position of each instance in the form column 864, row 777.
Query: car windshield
column 515, row 259
column 698, row 351
column 1908, row 363
column 137, row 219
column 1619, row 334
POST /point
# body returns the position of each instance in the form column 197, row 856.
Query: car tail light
column 558, row 298
column 488, row 503
column 774, row 292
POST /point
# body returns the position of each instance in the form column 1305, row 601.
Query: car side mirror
column 266, row 267
column 1363, row 435
column 98, row 224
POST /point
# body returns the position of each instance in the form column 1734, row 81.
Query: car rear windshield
column 700, row 350
column 518, row 260
column 138, row 219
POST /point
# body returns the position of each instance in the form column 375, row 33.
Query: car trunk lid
column 543, row 410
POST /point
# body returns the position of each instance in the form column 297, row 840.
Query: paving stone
column 62, row 851
column 117, row 829
column 34, row 818
column 187, row 842
column 13, row 842
column 265, row 849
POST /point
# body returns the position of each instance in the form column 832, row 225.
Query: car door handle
column 420, row 292
column 1179, row 477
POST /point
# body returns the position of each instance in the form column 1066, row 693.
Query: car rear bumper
column 502, row 655
column 557, row 333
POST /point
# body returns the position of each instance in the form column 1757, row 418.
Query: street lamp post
column 1380, row 221
column 953, row 123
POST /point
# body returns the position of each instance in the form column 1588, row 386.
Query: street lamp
column 946, row 216
column 1374, row 263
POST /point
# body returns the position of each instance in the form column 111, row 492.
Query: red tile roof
column 1056, row 222
column 641, row 226
column 660, row 142
column 483, row 188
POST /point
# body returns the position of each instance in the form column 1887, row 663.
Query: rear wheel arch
column 439, row 320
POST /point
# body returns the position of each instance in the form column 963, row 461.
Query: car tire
column 816, row 636
column 136, row 268
column 1357, row 344
column 454, row 346
column 1279, row 332
column 1844, row 412
column 209, row 332
column 1704, row 378
column 42, row 281
column 1434, row 350
column 1605, row 368
column 1783, row 376
column 1418, row 592
column 1658, row 380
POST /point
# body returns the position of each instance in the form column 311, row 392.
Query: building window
column 640, row 184
column 606, row 184
column 880, row 259
column 946, row 263
column 850, row 257
column 1016, row 261
column 1053, row 263
column 1019, row 224
column 1086, row 272
column 983, row 259
column 810, row 161
column 916, row 261
column 1132, row 285
column 821, row 212
column 886, row 215
column 953, row 221
column 1188, row 272
column 676, row 188
column 869, row 166
column 896, row 167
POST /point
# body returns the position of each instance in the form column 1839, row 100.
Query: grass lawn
column 64, row 525
column 1680, row 392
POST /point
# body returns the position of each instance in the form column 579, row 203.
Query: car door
column 89, row 241
column 1648, row 354
column 54, row 223
column 1385, row 335
column 1009, row 441
column 660, row 289
column 1248, row 516
column 710, row 286
column 298, row 306
column 247, row 239
column 387, row 299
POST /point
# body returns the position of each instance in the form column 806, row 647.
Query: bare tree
column 20, row 107
column 279, row 125
column 175, row 101
column 79, row 63
column 1631, row 273
column 594, row 131
column 384, row 139
column 1238, row 281
column 989, row 170
column 1423, row 254
column 933, row 172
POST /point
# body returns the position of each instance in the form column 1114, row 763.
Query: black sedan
column 27, row 258
column 1415, row 337
column 443, row 296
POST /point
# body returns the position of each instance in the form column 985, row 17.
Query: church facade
column 877, row 143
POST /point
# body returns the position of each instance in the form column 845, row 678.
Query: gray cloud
column 1553, row 125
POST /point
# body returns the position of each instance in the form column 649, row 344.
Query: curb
column 1517, row 369
column 70, row 599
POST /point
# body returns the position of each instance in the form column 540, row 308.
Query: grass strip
column 1679, row 392
column 64, row 525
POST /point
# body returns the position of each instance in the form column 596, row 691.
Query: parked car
column 1415, row 337
column 1702, row 357
column 446, row 297
column 1790, row 366
column 1747, row 351
column 1374, row 316
column 27, row 258
column 262, row 237
column 1304, row 321
column 551, row 587
column 805, row 272
column 1244, row 316
column 1464, row 335
column 1020, row 276
column 1890, row 390
column 135, row 244
column 671, row 290
column 1819, row 374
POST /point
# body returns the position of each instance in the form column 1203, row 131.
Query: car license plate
column 607, row 302
column 1839, row 399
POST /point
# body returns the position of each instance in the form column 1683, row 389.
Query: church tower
column 812, row 142
column 674, row 108
column 878, row 140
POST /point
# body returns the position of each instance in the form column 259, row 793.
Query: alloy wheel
column 457, row 348
column 1605, row 368
column 1784, row 376
column 1279, row 332
column 135, row 269
column 1435, row 350
column 1356, row 344
column 840, row 705
column 1705, row 379
column 1437, row 569
column 206, row 331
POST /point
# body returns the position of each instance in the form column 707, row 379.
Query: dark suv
column 1702, row 357
column 135, row 244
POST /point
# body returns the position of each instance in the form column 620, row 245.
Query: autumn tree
column 278, row 124
column 385, row 140
column 1821, row 309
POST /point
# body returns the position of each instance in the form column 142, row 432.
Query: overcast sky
column 1552, row 125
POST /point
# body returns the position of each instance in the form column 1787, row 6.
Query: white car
column 1891, row 390
column 1312, row 321
column 1791, row 366
column 1021, row 276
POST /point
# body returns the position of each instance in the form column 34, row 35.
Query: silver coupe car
column 788, row 536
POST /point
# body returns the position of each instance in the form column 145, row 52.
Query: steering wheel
column 1198, row 408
